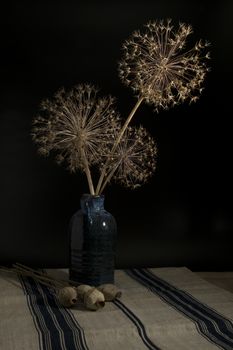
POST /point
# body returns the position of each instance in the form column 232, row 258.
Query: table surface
column 221, row 279
column 160, row 309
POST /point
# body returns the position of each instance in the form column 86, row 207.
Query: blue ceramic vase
column 93, row 233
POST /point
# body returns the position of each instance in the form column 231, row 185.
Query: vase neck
column 91, row 203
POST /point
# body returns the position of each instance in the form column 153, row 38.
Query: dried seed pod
column 94, row 299
column 75, row 122
column 82, row 290
column 159, row 68
column 110, row 291
column 67, row 296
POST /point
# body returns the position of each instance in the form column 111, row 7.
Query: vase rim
column 93, row 195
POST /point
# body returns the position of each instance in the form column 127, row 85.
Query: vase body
column 92, row 243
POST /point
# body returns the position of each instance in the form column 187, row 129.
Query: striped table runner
column 160, row 308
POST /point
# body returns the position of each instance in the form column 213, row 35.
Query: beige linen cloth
column 160, row 308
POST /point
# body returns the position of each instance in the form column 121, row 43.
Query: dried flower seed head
column 134, row 158
column 158, row 69
column 74, row 124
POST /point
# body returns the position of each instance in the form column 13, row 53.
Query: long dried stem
column 46, row 281
column 41, row 277
column 99, row 189
column 108, row 178
column 88, row 173
column 37, row 275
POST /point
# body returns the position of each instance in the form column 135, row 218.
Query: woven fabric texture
column 160, row 308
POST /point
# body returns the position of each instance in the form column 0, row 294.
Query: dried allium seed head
column 156, row 66
column 75, row 122
column 134, row 158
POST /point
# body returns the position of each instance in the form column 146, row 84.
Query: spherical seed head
column 75, row 123
column 157, row 67
column 134, row 158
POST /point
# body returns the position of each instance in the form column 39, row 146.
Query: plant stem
column 37, row 272
column 88, row 174
column 108, row 178
column 37, row 275
column 99, row 189
column 41, row 277
column 46, row 281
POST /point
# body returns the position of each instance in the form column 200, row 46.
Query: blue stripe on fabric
column 209, row 325
column 35, row 315
column 47, row 328
column 213, row 328
column 224, row 325
column 138, row 323
column 57, row 327
column 70, row 341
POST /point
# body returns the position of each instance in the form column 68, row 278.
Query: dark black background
column 183, row 215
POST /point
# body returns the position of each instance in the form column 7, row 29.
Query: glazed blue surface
column 93, row 234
